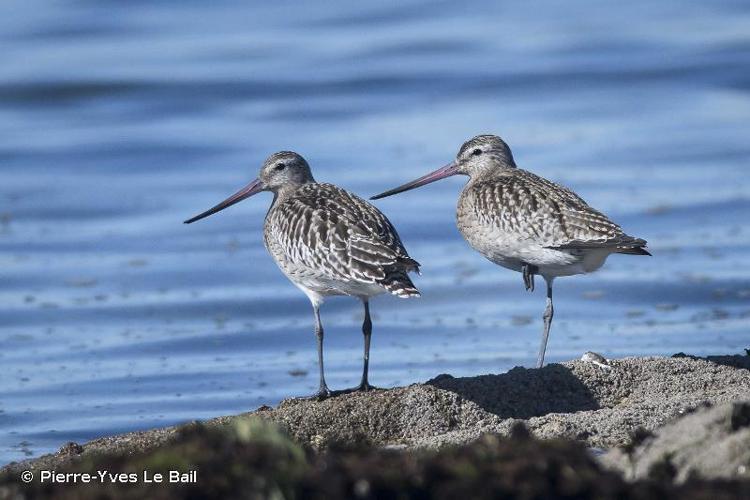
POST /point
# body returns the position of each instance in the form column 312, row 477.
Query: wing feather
column 340, row 236
column 536, row 209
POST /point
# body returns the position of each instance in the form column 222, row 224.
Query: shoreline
column 574, row 400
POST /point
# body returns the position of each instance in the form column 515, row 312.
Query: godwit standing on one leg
column 328, row 242
column 526, row 223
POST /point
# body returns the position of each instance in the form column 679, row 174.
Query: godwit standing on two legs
column 526, row 223
column 327, row 242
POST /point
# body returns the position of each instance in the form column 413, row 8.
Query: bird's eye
column 279, row 167
column 476, row 152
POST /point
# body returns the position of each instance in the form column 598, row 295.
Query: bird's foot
column 528, row 276
column 323, row 393
column 362, row 387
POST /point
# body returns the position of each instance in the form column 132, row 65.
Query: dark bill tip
column 254, row 187
column 441, row 173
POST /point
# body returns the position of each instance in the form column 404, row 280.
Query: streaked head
column 477, row 156
column 280, row 170
column 484, row 152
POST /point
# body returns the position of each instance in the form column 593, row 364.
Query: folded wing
column 342, row 237
column 537, row 210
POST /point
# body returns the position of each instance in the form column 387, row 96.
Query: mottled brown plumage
column 328, row 241
column 526, row 223
column 331, row 242
column 529, row 207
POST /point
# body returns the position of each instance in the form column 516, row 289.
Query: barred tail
column 400, row 284
column 635, row 247
column 634, row 251
column 621, row 244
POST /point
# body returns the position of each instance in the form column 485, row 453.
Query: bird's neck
column 288, row 190
column 491, row 173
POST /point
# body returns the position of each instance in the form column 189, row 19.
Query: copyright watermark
column 109, row 477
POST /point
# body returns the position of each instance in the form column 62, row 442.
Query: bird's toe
column 362, row 387
column 322, row 394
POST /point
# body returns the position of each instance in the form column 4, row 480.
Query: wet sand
column 575, row 400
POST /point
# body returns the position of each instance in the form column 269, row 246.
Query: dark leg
column 364, row 385
column 367, row 332
column 528, row 275
column 548, row 313
column 323, row 391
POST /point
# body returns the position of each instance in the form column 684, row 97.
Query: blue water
column 118, row 120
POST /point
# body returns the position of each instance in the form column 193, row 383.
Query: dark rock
column 740, row 416
column 710, row 442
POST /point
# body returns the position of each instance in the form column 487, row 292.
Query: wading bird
column 327, row 242
column 526, row 223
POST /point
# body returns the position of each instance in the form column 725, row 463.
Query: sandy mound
column 573, row 400
column 577, row 400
